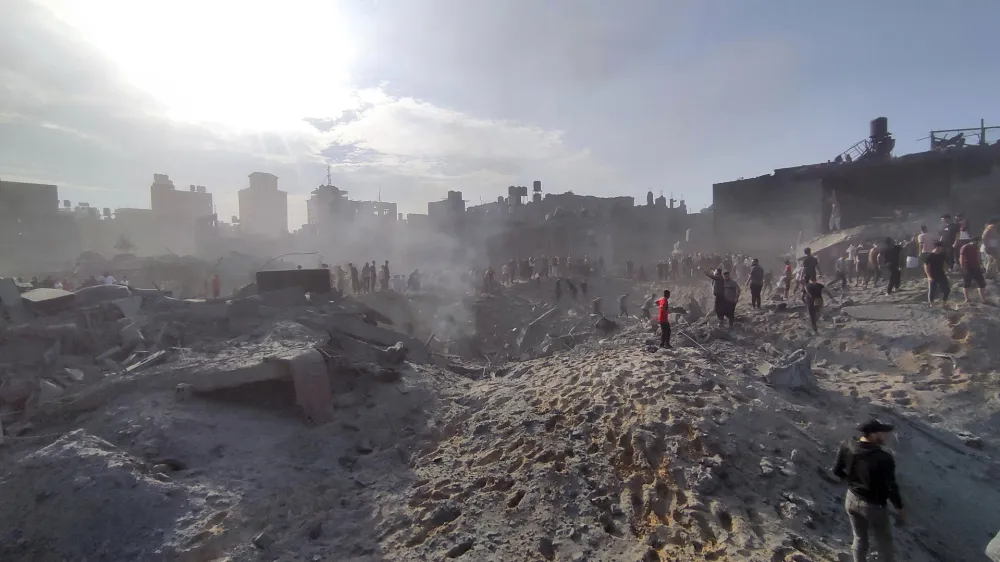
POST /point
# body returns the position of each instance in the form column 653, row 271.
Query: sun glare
column 246, row 65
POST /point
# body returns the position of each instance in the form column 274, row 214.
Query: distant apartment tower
column 264, row 207
column 176, row 214
column 167, row 202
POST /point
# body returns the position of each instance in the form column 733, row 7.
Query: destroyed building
column 780, row 208
column 578, row 225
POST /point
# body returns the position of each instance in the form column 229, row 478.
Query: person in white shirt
column 925, row 243
column 849, row 267
column 834, row 212
column 108, row 279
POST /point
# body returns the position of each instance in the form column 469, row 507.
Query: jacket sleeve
column 890, row 483
column 840, row 466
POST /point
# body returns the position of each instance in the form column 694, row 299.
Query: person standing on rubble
column 840, row 272
column 810, row 266
column 731, row 293
column 812, row 296
column 365, row 277
column 893, row 257
column 623, row 306
column 970, row 260
column 787, row 278
column 583, row 288
column 719, row 292
column 572, row 289
column 870, row 472
column 558, row 289
column 663, row 317
column 937, row 278
column 875, row 264
column 385, row 276
column 755, row 280
column 355, row 282
column 948, row 236
column 216, row 285
column 647, row 305
column 925, row 243
column 991, row 243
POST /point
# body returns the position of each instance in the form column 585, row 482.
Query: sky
column 407, row 99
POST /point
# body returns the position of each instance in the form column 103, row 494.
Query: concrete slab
column 237, row 376
column 358, row 329
column 313, row 391
column 97, row 294
column 129, row 305
column 48, row 301
column 993, row 549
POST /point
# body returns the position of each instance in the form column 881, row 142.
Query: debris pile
column 294, row 426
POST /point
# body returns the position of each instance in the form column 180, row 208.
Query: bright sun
column 246, row 65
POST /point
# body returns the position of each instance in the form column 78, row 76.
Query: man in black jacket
column 870, row 472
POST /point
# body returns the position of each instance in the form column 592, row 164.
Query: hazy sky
column 416, row 97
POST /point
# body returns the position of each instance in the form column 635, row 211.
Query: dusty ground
column 603, row 452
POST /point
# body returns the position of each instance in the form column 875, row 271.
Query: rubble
column 795, row 372
column 495, row 426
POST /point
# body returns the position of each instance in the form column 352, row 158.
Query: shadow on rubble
column 321, row 474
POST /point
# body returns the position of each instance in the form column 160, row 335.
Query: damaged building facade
column 568, row 224
column 792, row 204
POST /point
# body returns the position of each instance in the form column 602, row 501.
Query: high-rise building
column 176, row 213
column 263, row 207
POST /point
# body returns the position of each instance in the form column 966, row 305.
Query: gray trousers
column 869, row 518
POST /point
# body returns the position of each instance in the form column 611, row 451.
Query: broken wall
column 763, row 214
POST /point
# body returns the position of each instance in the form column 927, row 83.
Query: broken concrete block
column 74, row 375
column 108, row 354
column 795, row 373
column 374, row 335
column 48, row 301
column 993, row 549
column 237, row 375
column 396, row 354
column 49, row 391
column 313, row 391
column 605, row 324
column 131, row 335
column 535, row 332
column 129, row 305
column 52, row 354
column 96, row 294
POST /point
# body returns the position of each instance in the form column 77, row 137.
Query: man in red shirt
column 663, row 317
column 972, row 268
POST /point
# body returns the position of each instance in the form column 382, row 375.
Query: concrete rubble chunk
column 129, row 305
column 794, row 373
column 97, row 294
column 313, row 391
column 993, row 549
column 534, row 333
column 48, row 301
column 375, row 335
column 131, row 335
column 49, row 391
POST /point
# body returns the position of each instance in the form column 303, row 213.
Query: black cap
column 874, row 426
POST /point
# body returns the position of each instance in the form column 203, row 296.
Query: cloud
column 71, row 118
